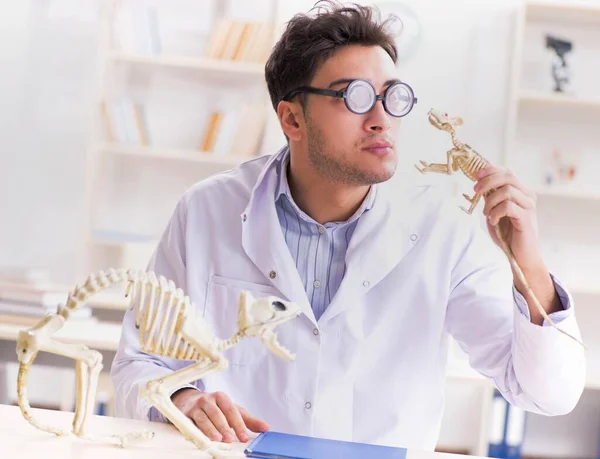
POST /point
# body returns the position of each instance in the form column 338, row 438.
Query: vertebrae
column 93, row 284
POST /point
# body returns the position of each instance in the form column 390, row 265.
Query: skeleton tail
column 523, row 280
column 93, row 284
column 24, row 402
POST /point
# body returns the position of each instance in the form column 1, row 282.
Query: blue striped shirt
column 319, row 251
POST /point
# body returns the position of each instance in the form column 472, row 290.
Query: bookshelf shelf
column 174, row 154
column 558, row 100
column 549, row 192
column 229, row 67
column 563, row 11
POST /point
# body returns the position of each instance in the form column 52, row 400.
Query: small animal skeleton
column 464, row 158
column 168, row 327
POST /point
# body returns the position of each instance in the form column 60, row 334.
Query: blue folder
column 277, row 445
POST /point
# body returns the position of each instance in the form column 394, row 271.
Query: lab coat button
column 244, row 218
column 414, row 237
column 316, row 331
column 308, row 405
column 272, row 274
column 366, row 283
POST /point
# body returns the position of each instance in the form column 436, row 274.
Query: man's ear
column 291, row 119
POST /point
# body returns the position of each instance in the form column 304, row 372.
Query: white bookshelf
column 567, row 193
column 202, row 157
column 576, row 11
column 541, row 122
column 230, row 69
column 557, row 100
column 160, row 93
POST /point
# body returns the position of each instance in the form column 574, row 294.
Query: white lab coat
column 372, row 369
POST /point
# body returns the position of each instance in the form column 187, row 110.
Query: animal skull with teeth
column 258, row 317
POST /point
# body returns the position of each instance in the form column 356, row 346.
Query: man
column 383, row 276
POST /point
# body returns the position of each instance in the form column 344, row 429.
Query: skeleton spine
column 94, row 283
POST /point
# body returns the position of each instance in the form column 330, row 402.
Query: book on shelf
column 240, row 41
column 20, row 300
column 236, row 131
column 136, row 29
column 125, row 122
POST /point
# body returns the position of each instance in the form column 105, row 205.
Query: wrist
column 183, row 395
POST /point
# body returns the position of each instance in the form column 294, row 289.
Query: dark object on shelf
column 560, row 69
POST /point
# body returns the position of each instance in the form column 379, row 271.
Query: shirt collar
column 283, row 190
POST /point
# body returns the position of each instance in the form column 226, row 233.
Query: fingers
column 507, row 197
column 221, row 420
column 493, row 177
column 507, row 193
column 201, row 420
column 216, row 418
column 507, row 209
column 233, row 415
column 254, row 424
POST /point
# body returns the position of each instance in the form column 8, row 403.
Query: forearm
column 540, row 282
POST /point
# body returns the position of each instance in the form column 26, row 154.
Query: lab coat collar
column 263, row 241
column 383, row 236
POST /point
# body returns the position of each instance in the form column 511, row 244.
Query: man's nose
column 378, row 120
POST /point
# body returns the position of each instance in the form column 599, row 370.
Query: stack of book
column 240, row 41
column 25, row 303
column 237, row 131
column 125, row 122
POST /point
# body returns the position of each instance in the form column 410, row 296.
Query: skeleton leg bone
column 158, row 393
column 81, row 384
column 92, row 373
column 433, row 167
column 438, row 167
column 474, row 201
column 88, row 366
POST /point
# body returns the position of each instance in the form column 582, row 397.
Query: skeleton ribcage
column 160, row 312
column 473, row 165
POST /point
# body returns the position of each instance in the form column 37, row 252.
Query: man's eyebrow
column 350, row 80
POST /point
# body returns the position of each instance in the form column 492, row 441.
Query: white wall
column 47, row 65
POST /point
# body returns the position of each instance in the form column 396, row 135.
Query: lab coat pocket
column 221, row 312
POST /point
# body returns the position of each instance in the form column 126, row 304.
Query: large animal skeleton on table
column 168, row 327
column 464, row 158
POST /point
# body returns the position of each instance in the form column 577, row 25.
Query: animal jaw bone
column 259, row 317
column 464, row 158
column 88, row 363
column 168, row 327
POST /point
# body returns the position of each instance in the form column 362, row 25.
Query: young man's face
column 342, row 146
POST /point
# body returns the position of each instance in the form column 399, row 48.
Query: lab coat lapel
column 381, row 240
column 263, row 241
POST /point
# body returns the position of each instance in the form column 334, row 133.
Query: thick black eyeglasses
column 360, row 97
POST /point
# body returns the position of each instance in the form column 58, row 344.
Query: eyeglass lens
column 361, row 96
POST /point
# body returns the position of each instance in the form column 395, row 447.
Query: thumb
column 252, row 423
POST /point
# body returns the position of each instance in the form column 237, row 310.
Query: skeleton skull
column 258, row 317
column 442, row 121
column 26, row 347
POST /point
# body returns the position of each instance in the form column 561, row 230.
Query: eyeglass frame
column 341, row 94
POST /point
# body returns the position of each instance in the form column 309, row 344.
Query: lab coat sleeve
column 534, row 367
column 132, row 368
column 556, row 317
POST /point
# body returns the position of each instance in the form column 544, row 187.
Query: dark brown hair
column 308, row 41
